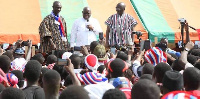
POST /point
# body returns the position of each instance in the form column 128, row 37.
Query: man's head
column 164, row 40
column 74, row 92
column 191, row 76
column 32, row 71
column 159, row 71
column 177, row 66
column 68, row 81
column 12, row 93
column 51, row 82
column 4, row 63
column 56, row 7
column 76, row 60
column 86, row 13
column 172, row 81
column 191, row 59
column 39, row 57
column 117, row 68
column 148, row 69
column 19, row 53
column 122, row 56
column 120, row 8
column 146, row 76
column 114, row 94
column 100, row 52
column 51, row 59
column 197, row 65
column 145, row 89
column 9, row 54
column 93, row 45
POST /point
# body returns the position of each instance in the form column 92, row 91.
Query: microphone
column 88, row 24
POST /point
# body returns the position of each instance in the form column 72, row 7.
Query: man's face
column 86, row 14
column 57, row 8
column 165, row 41
column 120, row 9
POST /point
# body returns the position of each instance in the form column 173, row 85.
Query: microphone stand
column 192, row 27
column 182, row 33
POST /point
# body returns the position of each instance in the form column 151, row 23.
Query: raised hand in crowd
column 189, row 45
column 28, row 56
column 140, row 55
column 29, row 43
column 18, row 43
column 84, row 50
column 70, row 68
column 183, row 58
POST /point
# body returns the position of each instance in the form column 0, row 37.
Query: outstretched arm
column 28, row 56
column 70, row 69
column 183, row 58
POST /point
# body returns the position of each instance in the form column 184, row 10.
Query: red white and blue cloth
column 18, row 64
column 61, row 28
column 91, row 78
column 155, row 55
column 179, row 95
column 91, row 61
column 12, row 79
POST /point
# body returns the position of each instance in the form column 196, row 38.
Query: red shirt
column 127, row 92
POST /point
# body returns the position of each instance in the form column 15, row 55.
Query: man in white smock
column 85, row 29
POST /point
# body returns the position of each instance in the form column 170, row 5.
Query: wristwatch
column 186, row 49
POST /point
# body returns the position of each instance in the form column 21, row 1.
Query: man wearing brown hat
column 100, row 52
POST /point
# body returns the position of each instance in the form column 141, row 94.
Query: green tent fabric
column 71, row 10
column 153, row 20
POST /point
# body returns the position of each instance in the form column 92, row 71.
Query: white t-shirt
column 18, row 64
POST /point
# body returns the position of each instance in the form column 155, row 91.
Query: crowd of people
column 59, row 71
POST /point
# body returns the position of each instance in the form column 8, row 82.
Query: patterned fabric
column 155, row 55
column 18, row 64
column 61, row 28
column 120, row 29
column 50, row 28
column 91, row 61
column 12, row 79
column 91, row 78
column 179, row 95
column 50, row 66
column 195, row 92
